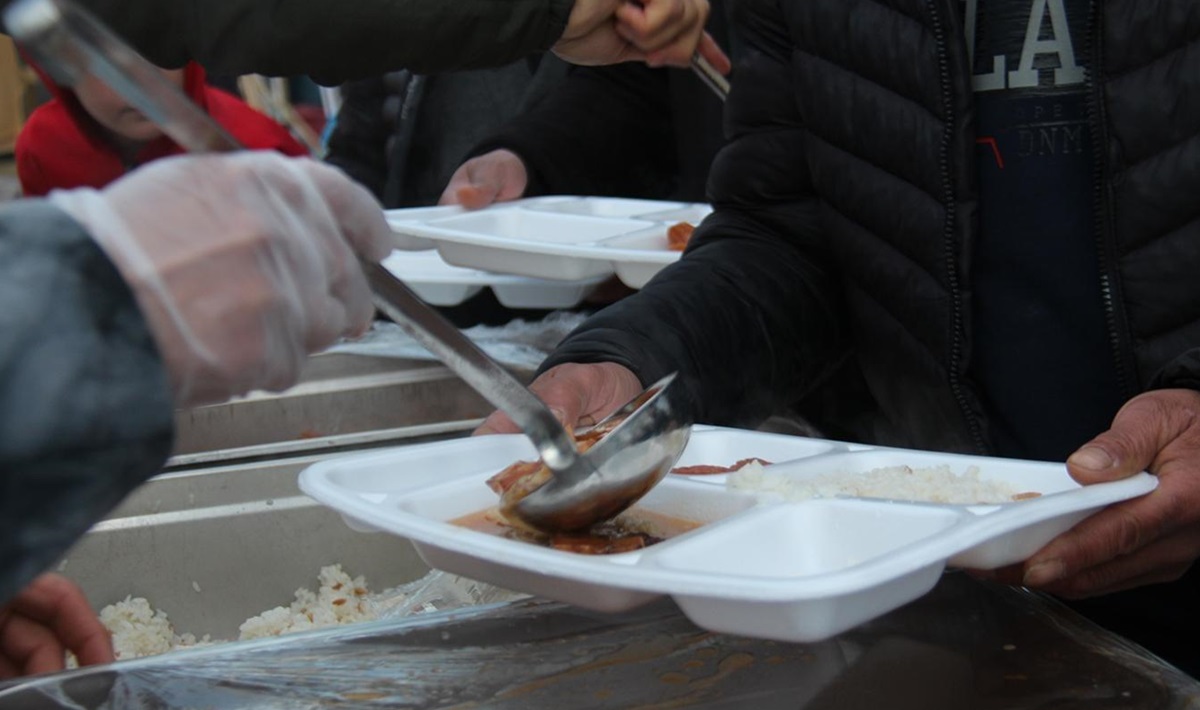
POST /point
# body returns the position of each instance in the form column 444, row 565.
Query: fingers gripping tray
column 823, row 537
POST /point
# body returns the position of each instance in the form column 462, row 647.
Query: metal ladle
column 585, row 488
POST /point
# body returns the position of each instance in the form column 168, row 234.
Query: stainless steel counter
column 225, row 534
column 341, row 401
column 966, row 645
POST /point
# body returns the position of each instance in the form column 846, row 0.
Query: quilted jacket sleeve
column 749, row 315
column 334, row 41
column 1182, row 372
column 85, row 408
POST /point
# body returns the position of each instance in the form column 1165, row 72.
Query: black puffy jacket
column 835, row 274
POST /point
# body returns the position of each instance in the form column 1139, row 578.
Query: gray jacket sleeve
column 334, row 41
column 85, row 406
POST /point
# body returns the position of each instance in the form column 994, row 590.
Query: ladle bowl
column 628, row 461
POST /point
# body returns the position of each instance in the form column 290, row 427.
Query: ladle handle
column 480, row 371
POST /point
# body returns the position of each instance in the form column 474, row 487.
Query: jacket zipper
column 956, row 316
column 1102, row 224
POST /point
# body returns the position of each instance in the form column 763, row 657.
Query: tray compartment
column 518, row 565
column 514, row 293
column 543, row 227
column 725, row 447
column 608, row 206
column 811, row 619
column 401, row 221
column 1017, row 476
column 441, row 284
column 813, row 539
column 848, row 557
column 693, row 214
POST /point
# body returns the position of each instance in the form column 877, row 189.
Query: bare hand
column 498, row 176
column 1148, row 540
column 659, row 32
column 579, row 395
column 48, row 618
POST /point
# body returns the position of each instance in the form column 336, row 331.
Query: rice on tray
column 933, row 484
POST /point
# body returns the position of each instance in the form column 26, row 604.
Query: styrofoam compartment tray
column 761, row 567
column 558, row 237
column 442, row 284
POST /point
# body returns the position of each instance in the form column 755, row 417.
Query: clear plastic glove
column 658, row 32
column 242, row 264
column 498, row 176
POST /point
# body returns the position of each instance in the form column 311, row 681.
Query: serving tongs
column 585, row 488
column 712, row 78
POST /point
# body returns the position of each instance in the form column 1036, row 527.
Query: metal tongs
column 585, row 489
column 710, row 76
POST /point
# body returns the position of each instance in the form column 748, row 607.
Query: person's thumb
column 1142, row 428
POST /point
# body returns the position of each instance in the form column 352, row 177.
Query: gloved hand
column 242, row 264
column 498, row 176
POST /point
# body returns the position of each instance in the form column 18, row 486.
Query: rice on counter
column 139, row 630
column 339, row 600
column 934, row 484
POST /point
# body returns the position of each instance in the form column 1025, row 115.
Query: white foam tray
column 791, row 571
column 442, row 284
column 558, row 237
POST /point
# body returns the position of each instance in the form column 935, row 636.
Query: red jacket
column 61, row 146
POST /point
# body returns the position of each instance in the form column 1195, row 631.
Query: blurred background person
column 627, row 130
column 402, row 135
column 89, row 136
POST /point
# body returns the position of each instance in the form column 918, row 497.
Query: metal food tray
column 341, row 401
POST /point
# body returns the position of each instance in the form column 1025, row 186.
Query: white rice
column 934, row 484
column 339, row 600
column 139, row 630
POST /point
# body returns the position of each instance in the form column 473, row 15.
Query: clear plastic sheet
column 441, row 591
column 520, row 344
column 967, row 644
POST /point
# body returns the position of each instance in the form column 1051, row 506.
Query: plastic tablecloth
column 967, row 644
